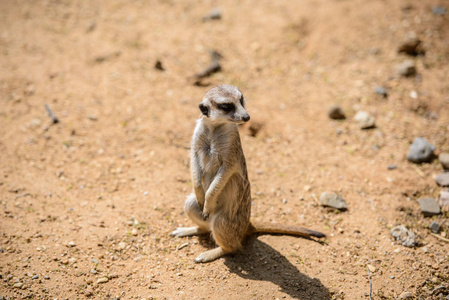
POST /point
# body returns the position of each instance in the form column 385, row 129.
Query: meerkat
column 221, row 200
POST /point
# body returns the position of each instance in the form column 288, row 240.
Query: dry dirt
column 87, row 204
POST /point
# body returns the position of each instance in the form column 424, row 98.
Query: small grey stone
column 381, row 91
column 93, row 271
column 71, row 244
column 443, row 199
column 444, row 160
column 214, row 14
column 439, row 10
column 435, row 227
column 392, row 167
column 336, row 113
column 95, row 261
column 407, row 68
column 365, row 120
column 420, row 151
column 35, row 277
column 442, row 179
column 333, row 200
column 405, row 236
column 429, row 207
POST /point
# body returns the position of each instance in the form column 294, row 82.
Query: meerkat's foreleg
column 196, row 181
column 215, row 188
column 196, row 215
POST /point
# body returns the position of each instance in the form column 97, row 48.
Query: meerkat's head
column 224, row 103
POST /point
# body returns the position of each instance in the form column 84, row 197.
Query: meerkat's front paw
column 187, row 231
column 210, row 255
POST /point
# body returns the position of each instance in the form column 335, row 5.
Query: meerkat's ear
column 204, row 109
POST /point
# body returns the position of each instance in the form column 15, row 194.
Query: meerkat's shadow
column 260, row 261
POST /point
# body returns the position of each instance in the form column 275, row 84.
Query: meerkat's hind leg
column 188, row 231
column 210, row 255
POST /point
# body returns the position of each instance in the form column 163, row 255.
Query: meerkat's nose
column 246, row 118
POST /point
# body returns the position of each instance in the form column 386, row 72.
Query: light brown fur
column 221, row 201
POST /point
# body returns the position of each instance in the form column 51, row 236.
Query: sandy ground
column 87, row 204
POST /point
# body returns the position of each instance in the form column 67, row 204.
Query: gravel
column 407, row 68
column 421, row 151
column 435, row 227
column 444, row 160
column 442, row 179
column 365, row 120
column 381, row 91
column 333, row 200
column 336, row 113
column 429, row 207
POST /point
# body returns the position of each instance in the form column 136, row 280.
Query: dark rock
column 439, row 10
column 407, row 68
column 429, row 207
column 435, row 227
column 405, row 236
column 392, row 167
column 444, row 160
column 381, row 91
column 158, row 65
column 442, row 179
column 412, row 47
column 333, row 200
column 336, row 113
column 421, row 151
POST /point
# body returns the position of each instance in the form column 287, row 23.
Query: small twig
column 370, row 285
column 440, row 237
column 51, row 114
column 417, row 170
column 23, row 195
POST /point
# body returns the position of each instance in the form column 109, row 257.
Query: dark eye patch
column 226, row 107
column 242, row 101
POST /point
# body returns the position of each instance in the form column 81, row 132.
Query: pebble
column 214, row 14
column 35, row 277
column 444, row 160
column 411, row 47
column 420, row 151
column 71, row 244
column 392, row 167
column 439, row 10
column 405, row 236
column 333, row 200
column 429, row 207
column 102, row 280
column 406, row 295
column 371, row 268
column 365, row 120
column 435, row 227
column 93, row 271
column 336, row 113
column 72, row 260
column 122, row 245
column 18, row 285
column 407, row 68
column 442, row 179
column 443, row 199
column 134, row 232
column 381, row 91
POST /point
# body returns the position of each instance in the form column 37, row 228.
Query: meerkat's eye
column 226, row 107
column 242, row 101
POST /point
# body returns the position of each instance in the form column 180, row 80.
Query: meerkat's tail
column 257, row 227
